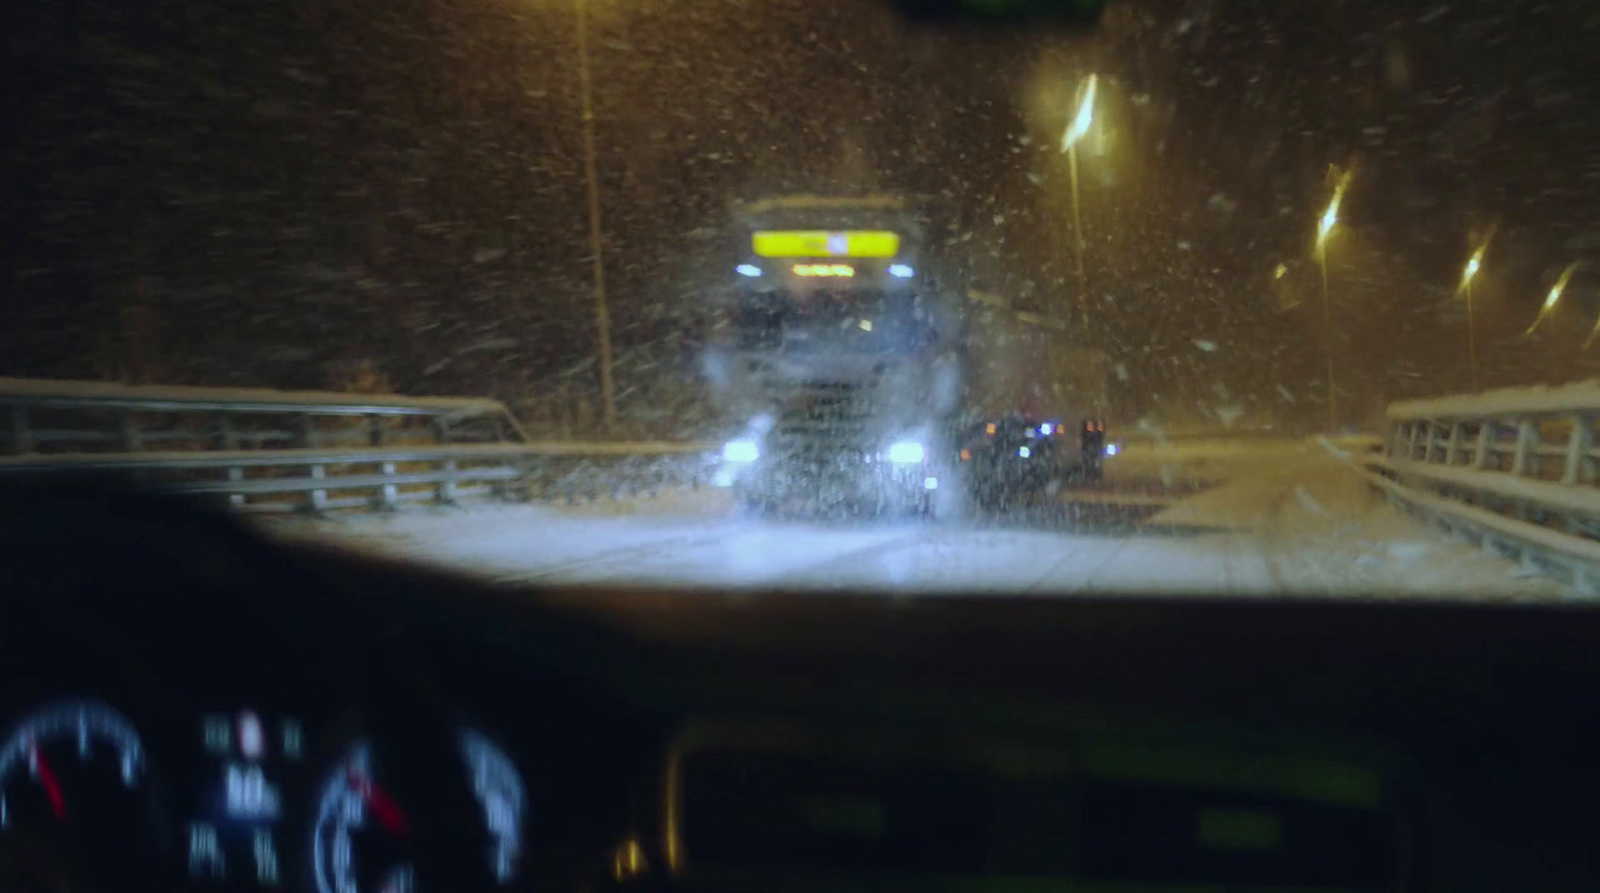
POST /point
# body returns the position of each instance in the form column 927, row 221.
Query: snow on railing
column 1514, row 469
column 285, row 450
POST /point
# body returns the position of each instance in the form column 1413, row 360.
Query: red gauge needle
column 47, row 780
column 384, row 808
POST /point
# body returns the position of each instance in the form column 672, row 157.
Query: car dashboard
column 189, row 706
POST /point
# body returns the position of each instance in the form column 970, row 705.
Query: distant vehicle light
column 1111, row 449
column 901, row 271
column 966, row 455
column 989, row 428
column 750, row 270
column 866, row 325
column 722, row 478
column 1024, row 452
column 1031, row 432
column 1045, row 429
column 741, row 451
column 930, row 483
column 906, row 452
column 843, row 271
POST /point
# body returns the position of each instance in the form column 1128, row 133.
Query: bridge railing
column 264, row 450
column 1514, row 470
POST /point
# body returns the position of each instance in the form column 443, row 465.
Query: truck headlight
column 906, row 452
column 741, row 451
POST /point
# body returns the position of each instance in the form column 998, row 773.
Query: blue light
column 901, row 271
column 1024, row 452
column 906, row 452
column 1045, row 429
column 741, row 451
column 750, row 270
column 1111, row 449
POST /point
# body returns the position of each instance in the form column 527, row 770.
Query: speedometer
column 360, row 834
column 71, row 762
column 73, row 783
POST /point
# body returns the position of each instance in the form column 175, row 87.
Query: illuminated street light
column 1082, row 121
column 1069, row 144
column 1468, row 273
column 1552, row 298
column 1325, row 225
column 1330, row 217
column 1592, row 333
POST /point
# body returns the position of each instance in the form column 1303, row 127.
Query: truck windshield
column 861, row 319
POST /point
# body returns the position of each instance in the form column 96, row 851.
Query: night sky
column 275, row 194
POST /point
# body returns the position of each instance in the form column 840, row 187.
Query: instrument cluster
column 260, row 805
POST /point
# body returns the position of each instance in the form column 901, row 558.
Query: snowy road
column 1239, row 519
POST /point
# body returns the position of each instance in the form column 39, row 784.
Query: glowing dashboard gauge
column 75, row 770
column 360, row 836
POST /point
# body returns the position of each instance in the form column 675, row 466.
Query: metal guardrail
column 262, row 450
column 1515, row 471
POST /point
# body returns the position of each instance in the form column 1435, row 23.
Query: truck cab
column 833, row 360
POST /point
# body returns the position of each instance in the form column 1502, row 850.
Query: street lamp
column 1069, row 144
column 1592, row 333
column 1551, row 298
column 1325, row 225
column 1469, row 273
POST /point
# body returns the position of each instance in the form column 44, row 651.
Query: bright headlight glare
column 906, row 452
column 741, row 451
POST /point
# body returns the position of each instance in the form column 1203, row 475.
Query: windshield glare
column 1216, row 247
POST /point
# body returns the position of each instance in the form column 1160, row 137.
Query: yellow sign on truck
column 823, row 243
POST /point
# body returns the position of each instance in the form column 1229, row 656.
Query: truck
column 846, row 367
column 835, row 358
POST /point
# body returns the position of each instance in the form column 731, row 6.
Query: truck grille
column 827, row 421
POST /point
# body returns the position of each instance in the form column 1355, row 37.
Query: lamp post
column 1325, row 225
column 602, row 312
column 1069, row 144
column 1469, row 273
column 1552, row 298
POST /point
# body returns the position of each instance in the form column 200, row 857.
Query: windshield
column 1289, row 282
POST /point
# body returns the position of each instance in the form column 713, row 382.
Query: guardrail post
column 1526, row 432
column 375, row 430
column 21, row 434
column 446, row 490
column 1452, row 450
column 235, row 473
column 131, row 441
column 1486, row 432
column 310, row 436
column 317, row 500
column 1579, row 441
column 388, row 494
column 228, row 434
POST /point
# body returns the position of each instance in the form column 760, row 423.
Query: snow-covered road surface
column 1272, row 518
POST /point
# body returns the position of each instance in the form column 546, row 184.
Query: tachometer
column 360, row 835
